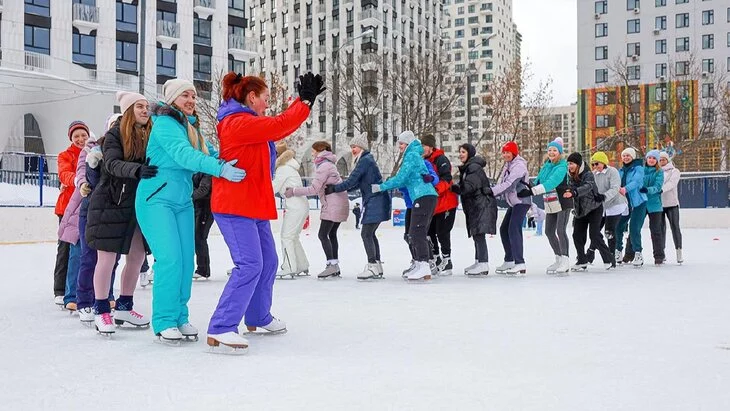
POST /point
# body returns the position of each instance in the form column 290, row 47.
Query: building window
column 682, row 1
column 459, row 22
column 38, row 7
column 601, row 75
column 235, row 8
column 660, row 46
column 166, row 62
column 126, row 17
column 682, row 20
column 682, row 44
column 660, row 118
column 602, row 121
column 166, row 16
column 601, row 30
column 660, row 3
column 602, row 7
column 37, row 39
column 660, row 93
column 126, row 56
column 633, row 49
column 708, row 65
column 682, row 68
column 661, row 69
column 602, row 99
column 708, row 90
column 236, row 66
column 708, row 115
column 201, row 67
column 632, row 4
column 708, row 17
column 660, row 23
column 633, row 72
column 633, row 26
column 201, row 31
column 708, row 41
column 601, row 52
column 84, row 49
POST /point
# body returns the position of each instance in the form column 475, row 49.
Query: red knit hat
column 511, row 147
column 75, row 125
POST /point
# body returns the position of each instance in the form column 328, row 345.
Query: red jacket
column 447, row 199
column 246, row 137
column 67, row 161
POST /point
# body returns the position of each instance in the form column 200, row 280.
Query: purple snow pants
column 249, row 289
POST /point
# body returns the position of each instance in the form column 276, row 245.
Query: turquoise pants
column 635, row 220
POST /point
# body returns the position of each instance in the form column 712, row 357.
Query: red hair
column 237, row 87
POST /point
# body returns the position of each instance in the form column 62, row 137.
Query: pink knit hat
column 127, row 99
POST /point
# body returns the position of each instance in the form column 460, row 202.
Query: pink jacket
column 68, row 230
column 336, row 206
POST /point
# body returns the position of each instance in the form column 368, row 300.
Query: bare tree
column 208, row 108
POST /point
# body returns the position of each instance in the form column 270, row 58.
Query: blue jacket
column 436, row 180
column 632, row 179
column 177, row 160
column 653, row 181
column 376, row 207
column 411, row 172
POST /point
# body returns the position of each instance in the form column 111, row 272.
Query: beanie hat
column 111, row 120
column 664, row 155
column 127, row 99
column 175, row 87
column 280, row 147
column 470, row 149
column 558, row 145
column 575, row 158
column 429, row 140
column 599, row 157
column 360, row 141
column 629, row 151
column 406, row 137
column 511, row 147
column 75, row 125
column 653, row 153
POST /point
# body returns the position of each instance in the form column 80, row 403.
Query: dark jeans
column 357, row 221
column 440, row 231
column 370, row 241
column 672, row 214
column 511, row 233
column 590, row 225
column 656, row 221
column 328, row 237
column 203, row 223
column 59, row 272
column 421, row 215
column 480, row 245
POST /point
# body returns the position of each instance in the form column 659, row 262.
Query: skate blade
column 217, row 347
column 303, row 274
column 121, row 323
column 106, row 334
column 579, row 270
column 446, row 273
column 169, row 343
column 337, row 275
column 285, row 277
column 522, row 273
column 477, row 275
column 249, row 333
column 373, row 278
column 190, row 338
column 418, row 280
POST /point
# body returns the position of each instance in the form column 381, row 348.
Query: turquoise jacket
column 411, row 172
column 177, row 160
column 632, row 179
column 551, row 174
column 653, row 181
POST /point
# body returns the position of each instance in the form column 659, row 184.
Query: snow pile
column 27, row 195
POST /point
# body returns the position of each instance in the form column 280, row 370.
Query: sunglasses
column 594, row 164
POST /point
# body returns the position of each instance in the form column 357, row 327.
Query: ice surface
column 648, row 339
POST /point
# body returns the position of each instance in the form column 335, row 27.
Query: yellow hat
column 599, row 157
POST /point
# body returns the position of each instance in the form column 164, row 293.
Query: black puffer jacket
column 111, row 216
column 584, row 191
column 479, row 208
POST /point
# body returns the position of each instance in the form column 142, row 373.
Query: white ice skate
column 304, row 273
column 276, row 326
column 371, row 272
column 552, row 268
column 638, row 260
column 446, row 268
column 198, row 277
column 170, row 336
column 517, row 269
column 480, row 269
column 564, row 267
column 579, row 267
column 409, row 269
column 189, row 332
column 680, row 260
column 86, row 316
column 131, row 317
column 380, row 268
column 104, row 324
column 421, row 272
column 281, row 275
column 144, row 279
column 506, row 266
column 619, row 258
column 58, row 300
column 227, row 343
column 332, row 270
column 433, row 267
column 471, row 267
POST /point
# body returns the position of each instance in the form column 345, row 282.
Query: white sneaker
column 188, row 330
column 409, row 269
column 421, row 272
column 478, row 269
column 233, row 343
column 638, row 260
column 130, row 317
column 371, row 271
column 275, row 326
column 552, row 268
column 471, row 267
column 506, row 266
column 517, row 269
column 58, row 300
column 86, row 315
column 144, row 280
column 171, row 334
column 680, row 260
column 104, row 323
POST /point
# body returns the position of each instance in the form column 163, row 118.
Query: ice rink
column 629, row 339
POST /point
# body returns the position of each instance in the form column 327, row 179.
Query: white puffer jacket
column 287, row 176
column 670, row 195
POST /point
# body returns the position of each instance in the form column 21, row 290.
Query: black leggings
column 590, row 226
column 440, row 231
column 370, row 241
column 480, row 245
column 328, row 237
column 418, row 229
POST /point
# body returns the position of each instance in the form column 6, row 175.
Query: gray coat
column 608, row 183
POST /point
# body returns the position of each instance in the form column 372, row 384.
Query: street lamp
column 468, row 90
column 335, row 90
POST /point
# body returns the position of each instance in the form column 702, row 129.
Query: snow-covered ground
column 27, row 195
column 648, row 339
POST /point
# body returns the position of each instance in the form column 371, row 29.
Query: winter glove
column 85, row 190
column 375, row 188
column 600, row 198
column 456, row 189
column 525, row 192
column 231, row 173
column 643, row 190
column 94, row 156
column 289, row 192
column 310, row 86
column 329, row 189
column 427, row 178
column 146, row 170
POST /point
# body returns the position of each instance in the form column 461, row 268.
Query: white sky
column 549, row 43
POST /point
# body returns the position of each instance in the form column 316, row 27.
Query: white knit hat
column 175, row 87
column 664, row 155
column 630, row 151
column 360, row 141
column 406, row 137
column 127, row 99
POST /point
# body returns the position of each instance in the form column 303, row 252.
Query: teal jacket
column 552, row 174
column 177, row 160
column 632, row 179
column 653, row 181
column 411, row 172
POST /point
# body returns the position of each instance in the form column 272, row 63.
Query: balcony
column 168, row 33
column 334, row 25
column 204, row 8
column 85, row 18
column 371, row 17
column 321, row 8
column 242, row 48
column 307, row 34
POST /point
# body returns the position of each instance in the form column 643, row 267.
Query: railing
column 84, row 12
column 28, row 179
column 371, row 14
column 208, row 4
column 321, row 8
column 37, row 61
column 168, row 29
column 242, row 43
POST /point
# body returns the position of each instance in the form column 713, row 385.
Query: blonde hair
column 196, row 139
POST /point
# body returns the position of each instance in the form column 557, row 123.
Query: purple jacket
column 68, row 230
column 335, row 206
column 512, row 174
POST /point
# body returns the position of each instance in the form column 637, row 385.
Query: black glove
column 600, row 198
column 310, row 86
column 525, row 192
column 427, row 178
column 329, row 189
column 146, row 170
column 643, row 190
column 455, row 189
column 487, row 191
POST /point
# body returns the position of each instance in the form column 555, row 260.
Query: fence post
column 705, row 184
column 40, row 177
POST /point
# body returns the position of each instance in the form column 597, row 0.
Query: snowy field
column 649, row 339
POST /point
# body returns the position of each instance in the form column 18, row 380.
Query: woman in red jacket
column 243, row 210
column 78, row 133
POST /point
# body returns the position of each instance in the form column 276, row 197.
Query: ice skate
column 276, row 326
column 446, row 268
column 609, row 266
column 188, row 332
column 422, row 272
column 658, row 262
column 552, row 268
column 104, row 324
column 617, row 255
column 144, row 279
column 371, row 272
column 433, row 267
column 130, row 317
column 471, row 267
column 506, row 266
column 280, row 275
column 227, row 343
column 680, row 260
column 70, row 307
column 638, row 260
column 480, row 269
column 229, row 272
column 170, row 336
column 58, row 300
column 629, row 258
column 590, row 255
column 409, row 269
column 86, row 316
column 380, row 268
column 304, row 273
column 332, row 270
column 579, row 267
column 564, row 267
column 517, row 269
column 200, row 277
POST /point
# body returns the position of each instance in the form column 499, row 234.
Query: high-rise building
column 559, row 121
column 650, row 73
